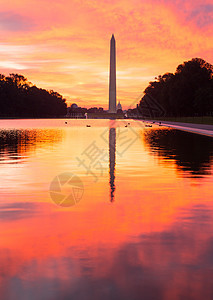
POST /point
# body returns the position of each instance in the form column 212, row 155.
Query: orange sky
column 64, row 45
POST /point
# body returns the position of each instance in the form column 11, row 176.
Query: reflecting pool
column 139, row 227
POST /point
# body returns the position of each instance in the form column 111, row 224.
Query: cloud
column 10, row 21
column 203, row 15
column 15, row 49
column 12, row 65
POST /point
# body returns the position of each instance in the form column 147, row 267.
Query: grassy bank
column 195, row 120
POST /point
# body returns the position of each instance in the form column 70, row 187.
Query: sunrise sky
column 64, row 45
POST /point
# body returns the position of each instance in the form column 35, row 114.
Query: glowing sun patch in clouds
column 64, row 45
column 11, row 65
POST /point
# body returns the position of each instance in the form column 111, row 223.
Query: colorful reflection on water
column 142, row 230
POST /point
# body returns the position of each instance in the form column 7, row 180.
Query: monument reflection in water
column 112, row 161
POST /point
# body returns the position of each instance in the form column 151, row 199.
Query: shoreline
column 202, row 129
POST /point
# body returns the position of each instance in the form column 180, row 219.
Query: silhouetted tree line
column 19, row 98
column 187, row 92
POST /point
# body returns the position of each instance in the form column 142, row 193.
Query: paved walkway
column 203, row 129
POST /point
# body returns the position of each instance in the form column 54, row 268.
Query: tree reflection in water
column 16, row 143
column 192, row 153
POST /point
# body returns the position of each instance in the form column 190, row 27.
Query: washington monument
column 112, row 77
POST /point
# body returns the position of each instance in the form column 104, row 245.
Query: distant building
column 74, row 106
column 119, row 106
column 92, row 110
column 74, row 111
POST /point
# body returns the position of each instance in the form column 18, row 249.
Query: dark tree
column 187, row 92
column 19, row 98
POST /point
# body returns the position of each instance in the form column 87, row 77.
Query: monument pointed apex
column 113, row 36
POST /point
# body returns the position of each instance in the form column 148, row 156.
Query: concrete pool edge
column 202, row 129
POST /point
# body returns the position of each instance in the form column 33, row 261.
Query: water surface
column 143, row 228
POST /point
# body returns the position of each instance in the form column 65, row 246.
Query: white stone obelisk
column 112, row 77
